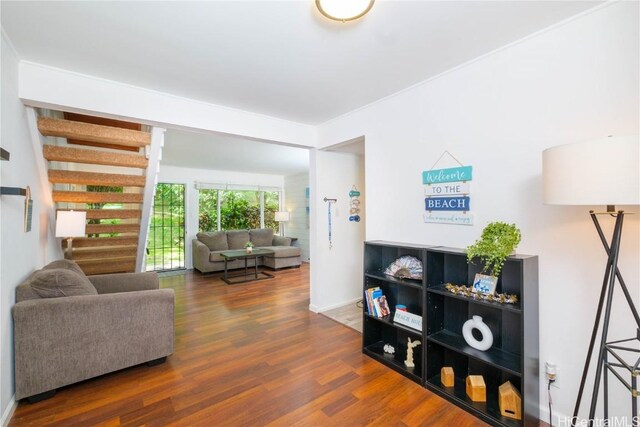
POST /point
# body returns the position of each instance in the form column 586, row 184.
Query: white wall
column 574, row 82
column 189, row 176
column 47, row 87
column 21, row 252
column 336, row 274
column 296, row 205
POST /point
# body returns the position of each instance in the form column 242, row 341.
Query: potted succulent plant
column 497, row 242
column 249, row 247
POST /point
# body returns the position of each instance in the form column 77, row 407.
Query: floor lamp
column 70, row 224
column 282, row 217
column 600, row 172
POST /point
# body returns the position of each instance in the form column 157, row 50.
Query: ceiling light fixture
column 344, row 10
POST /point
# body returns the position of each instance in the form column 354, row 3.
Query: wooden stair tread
column 96, row 197
column 93, row 157
column 109, row 268
column 87, row 242
column 106, row 252
column 110, row 213
column 112, row 228
column 95, row 178
column 93, row 133
column 123, row 259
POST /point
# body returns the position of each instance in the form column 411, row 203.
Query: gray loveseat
column 208, row 245
column 69, row 327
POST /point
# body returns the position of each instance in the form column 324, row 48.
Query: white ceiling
column 231, row 153
column 279, row 58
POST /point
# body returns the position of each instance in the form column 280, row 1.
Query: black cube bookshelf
column 514, row 354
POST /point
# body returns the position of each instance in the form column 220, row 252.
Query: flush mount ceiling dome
column 344, row 10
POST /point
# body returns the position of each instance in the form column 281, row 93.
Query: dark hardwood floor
column 247, row 355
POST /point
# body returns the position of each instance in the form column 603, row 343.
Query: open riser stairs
column 103, row 167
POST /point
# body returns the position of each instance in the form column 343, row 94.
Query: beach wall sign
column 447, row 195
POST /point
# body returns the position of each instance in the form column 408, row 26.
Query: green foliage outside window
column 104, row 189
column 166, row 231
column 238, row 209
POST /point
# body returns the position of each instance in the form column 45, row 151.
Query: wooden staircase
column 101, row 169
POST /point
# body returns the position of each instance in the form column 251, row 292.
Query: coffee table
column 242, row 254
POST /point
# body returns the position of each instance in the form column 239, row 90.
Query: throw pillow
column 66, row 264
column 237, row 238
column 60, row 282
column 262, row 237
column 215, row 240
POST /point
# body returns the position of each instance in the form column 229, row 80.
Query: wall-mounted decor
column 446, row 193
column 354, row 205
column 28, row 210
column 329, row 202
column 307, row 209
column 17, row 191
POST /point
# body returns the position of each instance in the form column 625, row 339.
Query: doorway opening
column 165, row 247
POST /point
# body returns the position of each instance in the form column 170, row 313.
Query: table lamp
column 599, row 172
column 282, row 217
column 70, row 224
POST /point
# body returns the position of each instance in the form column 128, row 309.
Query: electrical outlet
column 551, row 371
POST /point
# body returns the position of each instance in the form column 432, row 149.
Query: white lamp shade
column 282, row 216
column 598, row 172
column 71, row 224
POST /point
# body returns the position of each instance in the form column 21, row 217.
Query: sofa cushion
column 281, row 241
column 237, row 238
column 60, row 282
column 261, row 237
column 215, row 240
column 283, row 251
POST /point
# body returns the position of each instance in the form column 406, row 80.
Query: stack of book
column 377, row 305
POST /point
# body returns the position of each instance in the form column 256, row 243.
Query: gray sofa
column 69, row 327
column 208, row 245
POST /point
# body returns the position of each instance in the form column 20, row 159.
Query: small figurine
column 388, row 348
column 409, row 362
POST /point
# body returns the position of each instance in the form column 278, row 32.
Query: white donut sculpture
column 487, row 337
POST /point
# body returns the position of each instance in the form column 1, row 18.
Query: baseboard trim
column 317, row 309
column 8, row 412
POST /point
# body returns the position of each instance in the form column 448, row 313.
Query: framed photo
column 485, row 284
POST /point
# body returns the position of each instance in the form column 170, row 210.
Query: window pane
column 208, row 210
column 271, row 206
column 239, row 210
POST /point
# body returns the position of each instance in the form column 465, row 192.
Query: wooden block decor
column 447, row 376
column 510, row 401
column 476, row 389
